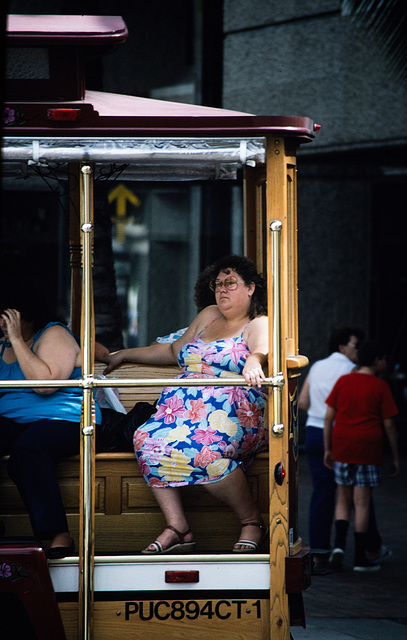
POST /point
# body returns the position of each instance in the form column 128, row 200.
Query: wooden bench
column 127, row 518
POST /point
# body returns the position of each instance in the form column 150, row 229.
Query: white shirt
column 322, row 377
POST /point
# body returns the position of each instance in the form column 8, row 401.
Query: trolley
column 54, row 121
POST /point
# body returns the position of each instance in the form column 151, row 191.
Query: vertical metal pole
column 275, row 228
column 88, row 421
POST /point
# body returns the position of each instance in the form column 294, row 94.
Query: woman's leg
column 31, row 466
column 169, row 501
column 234, row 491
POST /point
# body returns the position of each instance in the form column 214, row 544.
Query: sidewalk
column 345, row 605
column 350, row 629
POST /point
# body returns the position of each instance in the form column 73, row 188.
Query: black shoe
column 56, row 553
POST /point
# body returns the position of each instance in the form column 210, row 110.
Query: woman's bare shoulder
column 210, row 312
column 256, row 327
column 57, row 333
column 259, row 322
column 56, row 330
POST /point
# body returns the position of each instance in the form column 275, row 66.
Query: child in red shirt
column 359, row 404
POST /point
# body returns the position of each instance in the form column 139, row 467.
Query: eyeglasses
column 229, row 283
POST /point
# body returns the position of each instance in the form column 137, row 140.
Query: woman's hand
column 113, row 360
column 12, row 319
column 253, row 372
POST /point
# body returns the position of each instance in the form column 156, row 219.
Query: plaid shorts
column 361, row 475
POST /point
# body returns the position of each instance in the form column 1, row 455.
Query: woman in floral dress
column 208, row 435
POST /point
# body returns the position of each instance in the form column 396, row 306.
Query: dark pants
column 34, row 449
column 322, row 504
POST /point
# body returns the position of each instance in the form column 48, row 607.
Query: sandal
column 253, row 546
column 179, row 547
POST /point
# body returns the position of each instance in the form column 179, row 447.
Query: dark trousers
column 322, row 503
column 34, row 449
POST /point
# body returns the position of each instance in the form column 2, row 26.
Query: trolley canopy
column 107, row 114
column 50, row 117
column 159, row 136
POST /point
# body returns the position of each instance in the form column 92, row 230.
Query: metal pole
column 86, row 557
column 275, row 228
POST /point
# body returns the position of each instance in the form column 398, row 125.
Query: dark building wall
column 306, row 58
column 334, row 248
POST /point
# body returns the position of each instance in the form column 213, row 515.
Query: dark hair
column 248, row 272
column 204, row 296
column 341, row 337
column 369, row 351
column 19, row 291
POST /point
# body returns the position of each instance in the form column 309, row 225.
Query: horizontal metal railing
column 90, row 382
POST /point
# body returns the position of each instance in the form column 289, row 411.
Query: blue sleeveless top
column 24, row 405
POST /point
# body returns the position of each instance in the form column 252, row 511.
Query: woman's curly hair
column 249, row 274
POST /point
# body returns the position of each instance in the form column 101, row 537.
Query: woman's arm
column 53, row 357
column 328, row 426
column 159, row 353
column 257, row 341
column 153, row 354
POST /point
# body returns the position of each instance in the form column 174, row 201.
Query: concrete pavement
column 350, row 606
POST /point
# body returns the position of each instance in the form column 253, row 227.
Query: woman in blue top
column 38, row 427
column 207, row 435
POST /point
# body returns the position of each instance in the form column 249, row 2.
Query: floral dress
column 201, row 434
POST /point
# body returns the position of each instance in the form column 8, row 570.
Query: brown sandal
column 253, row 546
column 178, row 547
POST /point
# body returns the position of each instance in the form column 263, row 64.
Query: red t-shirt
column 362, row 401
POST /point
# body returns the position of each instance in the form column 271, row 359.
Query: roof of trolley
column 140, row 130
column 108, row 114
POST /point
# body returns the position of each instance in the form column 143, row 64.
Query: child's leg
column 362, row 504
column 342, row 514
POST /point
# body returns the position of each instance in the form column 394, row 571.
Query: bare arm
column 159, row 353
column 304, row 399
column 391, row 433
column 54, row 355
column 155, row 353
column 100, row 352
column 257, row 341
column 328, row 426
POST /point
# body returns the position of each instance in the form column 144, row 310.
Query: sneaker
column 366, row 567
column 336, row 558
column 385, row 553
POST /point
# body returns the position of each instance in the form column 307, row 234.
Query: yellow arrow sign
column 122, row 195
